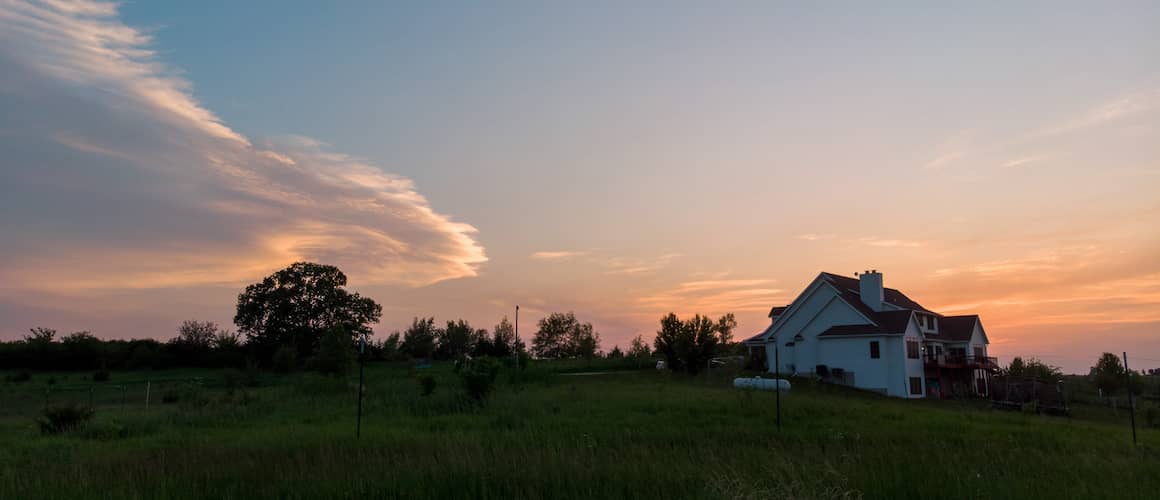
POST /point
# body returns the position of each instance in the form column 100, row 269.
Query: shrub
column 285, row 359
column 427, row 383
column 51, row 381
column 334, row 353
column 479, row 378
column 231, row 379
column 252, row 376
column 64, row 418
column 19, row 377
column 171, row 395
column 101, row 376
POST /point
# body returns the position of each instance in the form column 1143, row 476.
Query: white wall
column 820, row 310
column 977, row 340
column 852, row 354
column 912, row 367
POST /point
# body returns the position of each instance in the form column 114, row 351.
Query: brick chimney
column 870, row 288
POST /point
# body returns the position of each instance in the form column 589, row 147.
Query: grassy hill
column 621, row 435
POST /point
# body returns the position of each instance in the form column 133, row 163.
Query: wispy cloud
column 815, row 237
column 557, row 255
column 945, row 159
column 196, row 202
column 886, row 242
column 1020, row 162
column 715, row 297
column 1108, row 112
column 625, row 265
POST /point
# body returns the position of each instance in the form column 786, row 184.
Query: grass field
column 621, row 435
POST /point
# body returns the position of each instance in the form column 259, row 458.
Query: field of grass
column 620, row 435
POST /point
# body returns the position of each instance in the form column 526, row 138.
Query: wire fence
column 129, row 397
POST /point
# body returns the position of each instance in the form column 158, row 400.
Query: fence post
column 777, row 381
column 1131, row 402
column 147, row 387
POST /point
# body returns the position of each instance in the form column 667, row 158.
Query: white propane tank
column 765, row 384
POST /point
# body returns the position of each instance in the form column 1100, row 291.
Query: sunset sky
column 620, row 160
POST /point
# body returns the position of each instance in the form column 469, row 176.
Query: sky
column 616, row 159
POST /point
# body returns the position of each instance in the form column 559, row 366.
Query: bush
column 64, row 418
column 171, row 395
column 19, row 377
column 231, row 379
column 427, row 383
column 334, row 353
column 101, row 376
column 285, row 359
column 479, row 378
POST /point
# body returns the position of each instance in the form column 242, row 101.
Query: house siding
column 821, row 310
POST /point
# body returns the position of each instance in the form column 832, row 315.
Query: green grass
column 620, row 435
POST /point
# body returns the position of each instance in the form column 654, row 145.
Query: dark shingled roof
column 888, row 323
column 955, row 328
column 850, row 288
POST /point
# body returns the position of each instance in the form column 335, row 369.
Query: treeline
column 302, row 316
column 197, row 345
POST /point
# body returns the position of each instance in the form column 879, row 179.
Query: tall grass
column 621, row 435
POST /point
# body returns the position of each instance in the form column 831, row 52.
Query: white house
column 854, row 331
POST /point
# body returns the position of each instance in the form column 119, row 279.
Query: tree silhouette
column 297, row 305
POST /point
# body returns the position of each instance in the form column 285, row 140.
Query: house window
column 912, row 349
column 874, row 352
column 978, row 352
column 916, row 386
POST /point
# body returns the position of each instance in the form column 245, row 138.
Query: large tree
column 561, row 335
column 689, row 345
column 419, row 339
column 504, row 342
column 1108, row 374
column 297, row 305
column 458, row 339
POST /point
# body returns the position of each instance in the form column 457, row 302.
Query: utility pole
column 777, row 380
column 1131, row 403
column 361, row 363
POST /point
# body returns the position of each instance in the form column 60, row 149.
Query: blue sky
column 619, row 159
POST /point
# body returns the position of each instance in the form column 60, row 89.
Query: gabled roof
column 851, row 291
column 956, row 328
column 886, row 323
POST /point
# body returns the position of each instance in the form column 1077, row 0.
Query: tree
column 725, row 326
column 419, row 339
column 561, row 335
column 1017, row 367
column 40, row 335
column 335, row 354
column 504, row 342
column 297, row 305
column 688, row 345
column 615, row 353
column 1108, row 374
column 197, row 333
column 1034, row 368
column 639, row 349
column 457, row 340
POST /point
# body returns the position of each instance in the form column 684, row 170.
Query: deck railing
column 959, row 360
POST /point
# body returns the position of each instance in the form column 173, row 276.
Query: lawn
column 637, row 434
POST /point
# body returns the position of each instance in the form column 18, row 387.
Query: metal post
column 1131, row 402
column 361, row 364
column 777, row 381
column 517, row 336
